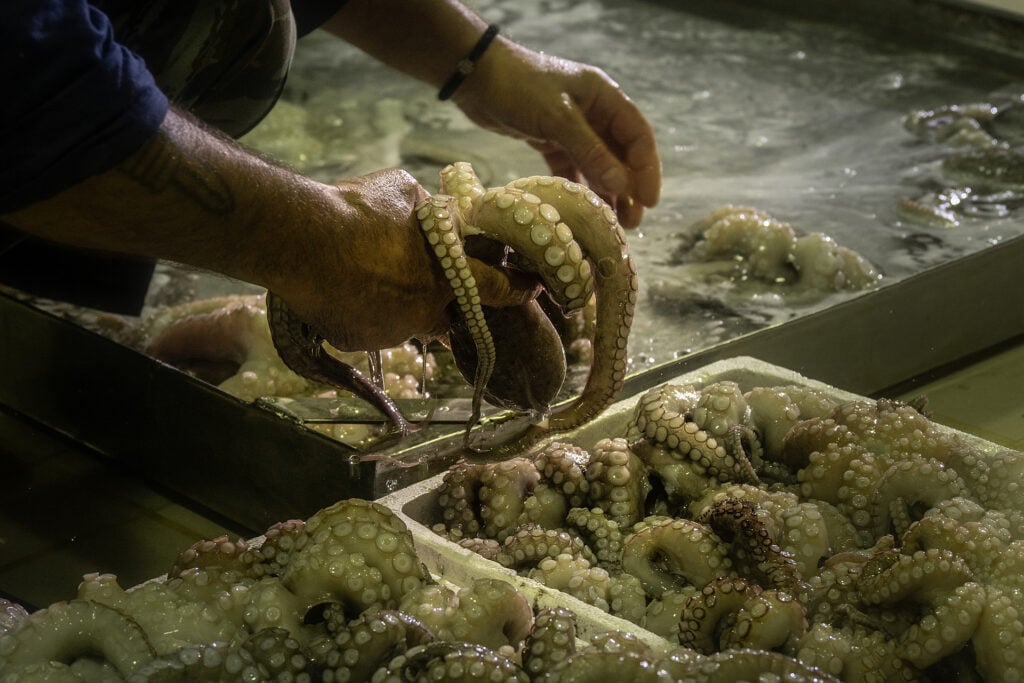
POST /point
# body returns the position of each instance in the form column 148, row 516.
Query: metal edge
column 248, row 465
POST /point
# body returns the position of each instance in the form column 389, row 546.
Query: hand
column 372, row 281
column 575, row 115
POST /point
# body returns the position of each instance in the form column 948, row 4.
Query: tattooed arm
column 348, row 258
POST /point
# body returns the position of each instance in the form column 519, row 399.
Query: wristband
column 468, row 65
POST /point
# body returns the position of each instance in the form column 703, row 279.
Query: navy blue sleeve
column 73, row 102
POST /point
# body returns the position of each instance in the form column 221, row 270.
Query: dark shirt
column 75, row 101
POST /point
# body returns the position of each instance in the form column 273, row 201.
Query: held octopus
column 557, row 230
column 857, row 538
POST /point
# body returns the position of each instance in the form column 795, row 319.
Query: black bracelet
column 468, row 65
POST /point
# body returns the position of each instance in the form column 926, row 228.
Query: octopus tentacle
column 458, row 498
column 214, row 662
column 546, row 507
column 218, row 552
column 664, row 613
column 65, row 631
column 301, row 348
column 732, row 613
column 454, row 662
column 279, row 653
column 751, row 665
column 675, row 553
column 736, row 521
column 619, row 594
column 854, row 654
column 504, row 486
column 11, row 616
column 175, row 614
column 940, row 581
column 664, row 414
column 999, row 638
column 487, row 548
column 601, row 533
column 356, row 552
column 619, row 641
column 224, row 340
column 369, row 642
column 979, row 543
column 702, row 615
column 551, row 641
column 681, row 480
column 533, row 216
column 618, row 481
column 775, row 410
column 721, row 407
column 487, row 612
column 598, row 666
column 439, row 218
column 563, row 465
column 275, row 551
column 528, row 546
column 911, row 480
column 435, row 606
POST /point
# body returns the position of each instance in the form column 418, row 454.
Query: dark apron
column 224, row 61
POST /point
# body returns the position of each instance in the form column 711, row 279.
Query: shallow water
column 799, row 119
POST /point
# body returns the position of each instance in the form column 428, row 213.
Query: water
column 801, row 120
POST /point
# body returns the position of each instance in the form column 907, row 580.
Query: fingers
column 606, row 139
column 498, row 287
column 629, row 212
column 604, row 172
column 633, row 136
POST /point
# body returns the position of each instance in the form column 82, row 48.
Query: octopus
column 981, row 174
column 226, row 341
column 850, row 539
column 235, row 611
column 559, row 231
column 733, row 247
column 338, row 596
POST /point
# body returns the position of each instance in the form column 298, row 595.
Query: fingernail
column 614, row 180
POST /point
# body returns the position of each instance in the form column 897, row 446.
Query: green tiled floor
column 66, row 512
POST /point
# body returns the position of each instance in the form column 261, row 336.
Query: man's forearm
column 188, row 195
column 424, row 39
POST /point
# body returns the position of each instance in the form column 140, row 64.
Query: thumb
column 500, row 287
